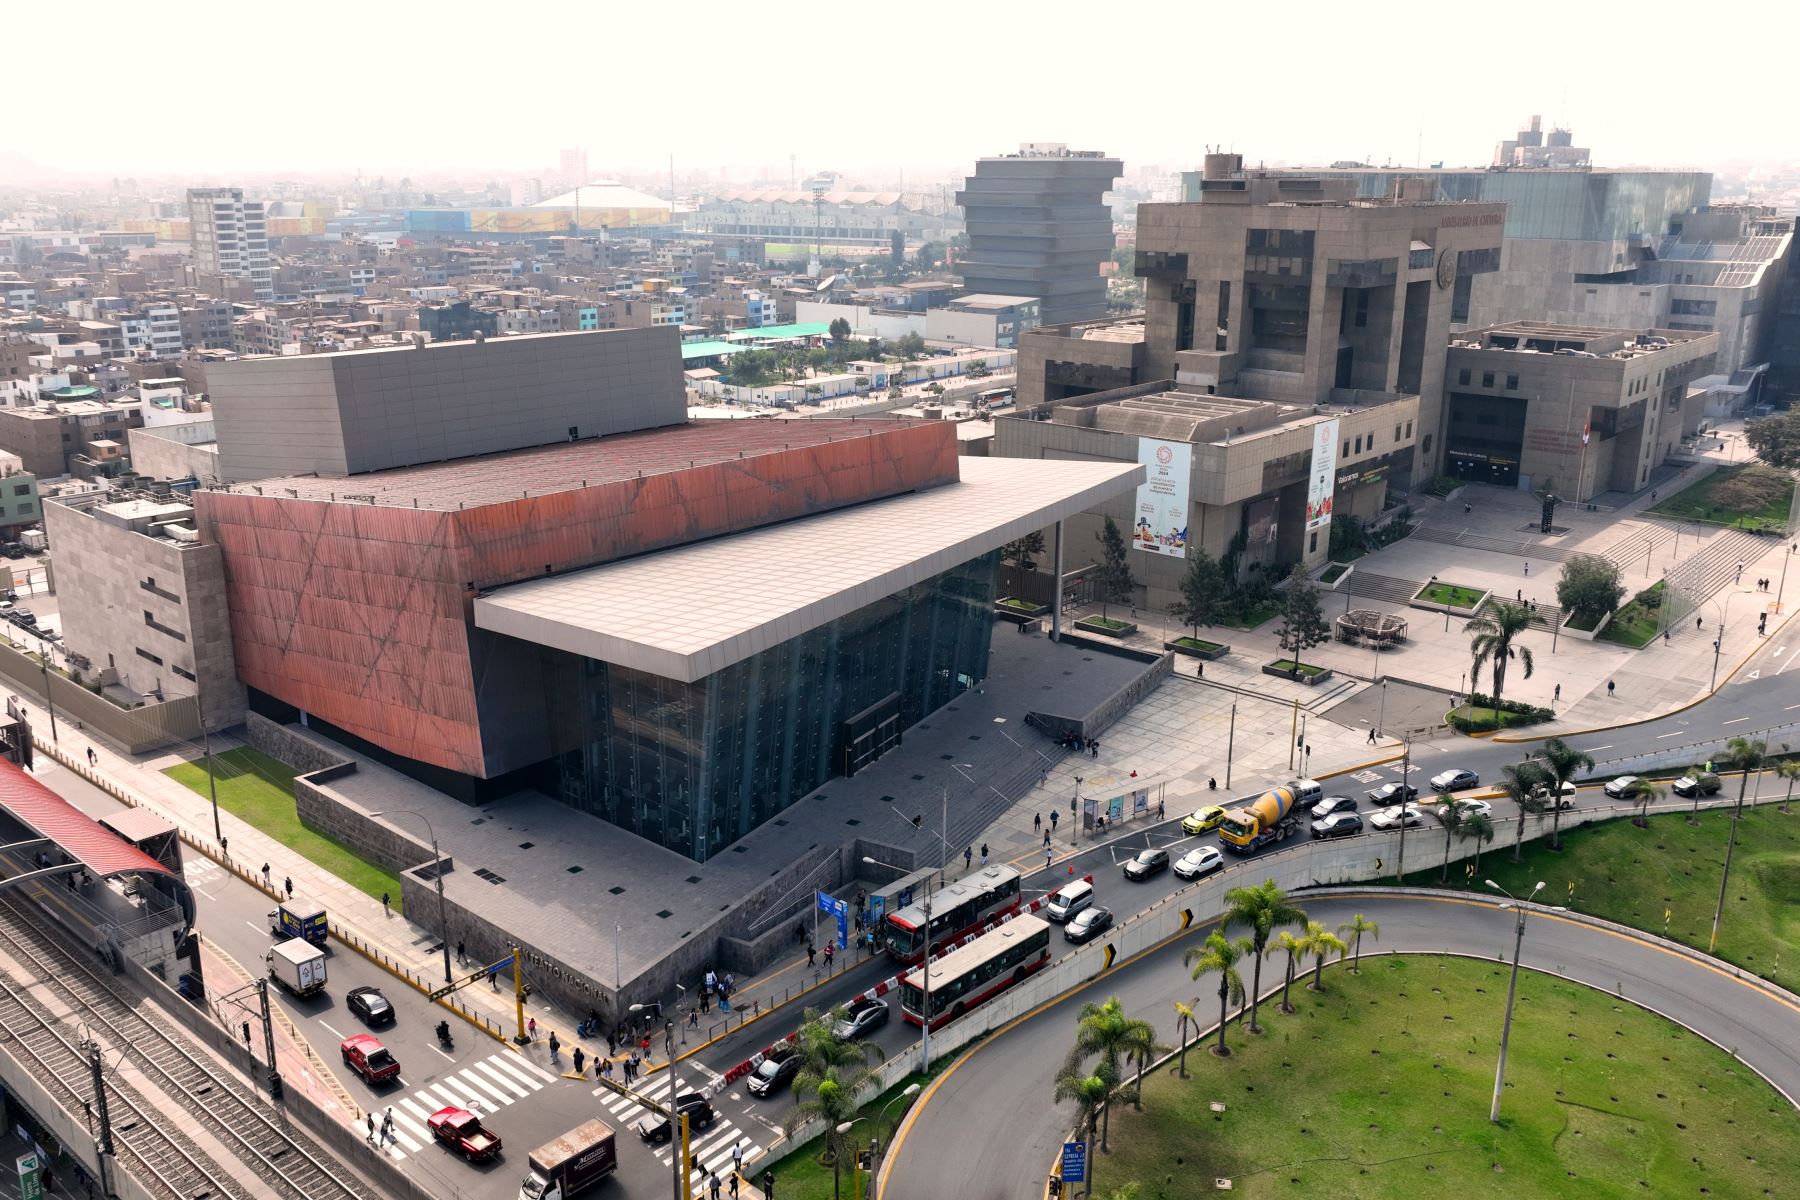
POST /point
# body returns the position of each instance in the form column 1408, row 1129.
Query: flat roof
column 567, row 466
column 802, row 329
column 690, row 611
column 690, row 350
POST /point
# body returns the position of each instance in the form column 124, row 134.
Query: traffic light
column 864, row 1160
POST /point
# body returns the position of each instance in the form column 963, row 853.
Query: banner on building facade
column 1162, row 499
column 1321, row 485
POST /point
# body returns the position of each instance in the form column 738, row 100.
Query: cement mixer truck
column 1271, row 817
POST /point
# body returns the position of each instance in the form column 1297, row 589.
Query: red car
column 365, row 1055
column 461, row 1131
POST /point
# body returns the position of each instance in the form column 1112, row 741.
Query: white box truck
column 571, row 1164
column 297, row 967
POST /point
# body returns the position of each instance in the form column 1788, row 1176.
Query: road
column 958, row 1144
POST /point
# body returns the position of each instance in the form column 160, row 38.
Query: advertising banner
column 1321, row 484
column 1162, row 499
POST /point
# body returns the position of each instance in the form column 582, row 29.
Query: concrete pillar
column 1056, row 592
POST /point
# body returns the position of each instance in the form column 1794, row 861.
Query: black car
column 22, row 616
column 1146, row 863
column 1392, row 793
column 1332, row 804
column 860, row 1017
column 773, row 1073
column 369, row 1004
column 1089, row 923
column 700, row 1115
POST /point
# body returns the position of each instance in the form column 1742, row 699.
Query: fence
column 148, row 727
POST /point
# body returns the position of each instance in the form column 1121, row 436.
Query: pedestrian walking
column 1046, row 839
column 1371, row 735
column 809, row 954
column 225, row 845
column 1697, row 621
column 737, row 1157
column 1048, row 855
column 1159, row 810
column 693, row 1018
column 461, row 958
column 733, row 1182
column 579, row 1059
column 1037, row 820
column 386, row 905
column 1740, row 571
column 494, row 978
column 387, row 1124
column 287, row 885
column 531, row 1028
column 371, row 1119
column 1609, row 689
column 1053, row 817
column 968, row 857
column 984, row 854
column 1528, row 570
column 265, row 874
column 712, row 1185
column 644, row 1045
column 1557, row 694
column 612, row 1045
column 830, row 952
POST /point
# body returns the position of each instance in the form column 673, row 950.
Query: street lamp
column 911, row 1090
column 678, row 1121
column 1512, row 985
column 1724, row 609
column 925, row 963
column 437, row 870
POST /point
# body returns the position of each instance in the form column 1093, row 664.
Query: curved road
column 956, row 1145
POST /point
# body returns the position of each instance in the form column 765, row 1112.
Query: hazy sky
column 216, row 88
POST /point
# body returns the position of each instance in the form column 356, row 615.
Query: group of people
column 1074, row 741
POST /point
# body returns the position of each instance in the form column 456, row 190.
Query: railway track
column 291, row 1165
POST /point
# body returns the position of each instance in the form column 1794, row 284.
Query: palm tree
column 1642, row 793
column 1262, row 908
column 1219, row 953
column 1184, row 1016
column 1089, row 1091
column 1491, row 636
column 1788, row 769
column 1357, row 926
column 1450, row 816
column 1479, row 828
column 1744, row 755
column 1320, row 941
column 1104, row 1029
column 1520, row 784
column 830, row 1100
column 1295, row 948
column 822, row 1051
column 1560, row 762
column 1697, row 770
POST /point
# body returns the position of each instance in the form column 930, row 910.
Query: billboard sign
column 1162, row 499
column 1321, row 484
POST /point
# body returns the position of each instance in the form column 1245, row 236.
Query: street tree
column 822, row 1052
column 1357, row 926
column 1260, row 910
column 839, row 330
column 1203, row 592
column 1788, row 769
column 1022, row 553
column 1450, row 817
column 1112, row 574
column 1219, row 953
column 1090, row 1090
column 1519, row 783
column 1561, row 763
column 1477, row 828
column 1742, row 755
column 831, row 1100
column 1492, row 634
column 1303, row 626
column 1321, row 942
column 1106, row 1030
column 1776, row 439
column 1184, row 1019
column 1643, row 791
column 1295, row 949
column 1590, row 587
column 909, row 346
column 1703, row 767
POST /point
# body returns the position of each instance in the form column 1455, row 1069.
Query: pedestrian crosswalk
column 482, row 1087
column 712, row 1147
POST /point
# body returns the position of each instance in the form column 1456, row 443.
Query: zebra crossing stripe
column 488, row 1092
column 532, row 1073
column 489, row 1067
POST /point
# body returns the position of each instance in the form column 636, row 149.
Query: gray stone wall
column 291, row 744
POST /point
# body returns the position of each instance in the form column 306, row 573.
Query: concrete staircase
column 1389, row 588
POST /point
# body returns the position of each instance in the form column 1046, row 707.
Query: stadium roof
column 603, row 194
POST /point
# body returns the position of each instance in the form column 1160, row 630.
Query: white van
column 1068, row 900
column 1307, row 792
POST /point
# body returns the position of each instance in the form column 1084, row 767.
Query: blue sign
column 1074, row 1162
column 840, row 910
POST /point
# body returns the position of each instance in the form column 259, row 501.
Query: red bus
column 979, row 971
column 972, row 904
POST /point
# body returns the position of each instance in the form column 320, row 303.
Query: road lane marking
column 1734, row 720
column 1661, row 736
column 208, row 895
column 448, row 1057
column 334, row 1033
column 480, row 1087
column 1597, row 749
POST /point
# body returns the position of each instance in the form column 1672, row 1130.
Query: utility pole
column 212, row 787
column 1405, row 804
column 1294, row 733
column 1230, row 744
column 268, row 1029
column 49, row 700
column 519, row 1038
column 1737, row 814
column 103, row 1141
column 1512, row 989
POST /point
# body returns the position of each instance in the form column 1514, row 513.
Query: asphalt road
column 980, row 1135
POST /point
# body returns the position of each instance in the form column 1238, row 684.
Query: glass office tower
column 695, row 766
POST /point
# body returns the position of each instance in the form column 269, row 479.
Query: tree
column 1776, row 439
column 1184, row 1017
column 1219, row 953
column 935, row 388
column 822, row 1052
column 1590, row 586
column 909, row 346
column 1022, row 552
column 1742, row 755
column 1643, row 791
column 1261, row 910
column 830, row 1100
column 1303, row 626
column 1477, row 828
column 1788, row 769
column 1090, row 1091
column 839, row 330
column 1696, row 771
column 1203, row 592
column 1320, row 941
column 1105, row 1030
column 1295, row 949
column 1112, row 575
column 1560, row 762
column 1450, row 816
column 1491, row 636
column 1357, row 926
column 1520, row 784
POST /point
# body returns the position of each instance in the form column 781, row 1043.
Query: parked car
column 1332, row 804
column 1203, row 820
column 364, row 1054
column 1391, row 793
column 1471, row 808
column 860, row 1018
column 1338, row 824
column 1697, row 783
column 1393, row 818
column 700, row 1115
column 1455, row 780
column 1623, row 787
column 1202, row 860
column 1089, row 923
column 775, row 1072
column 369, row 1004
column 461, row 1131
column 1146, row 863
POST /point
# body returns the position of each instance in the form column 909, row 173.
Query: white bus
column 979, row 971
column 974, row 903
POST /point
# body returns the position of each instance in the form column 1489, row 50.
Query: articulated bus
column 979, row 971
column 971, row 904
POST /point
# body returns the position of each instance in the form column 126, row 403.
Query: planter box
column 1090, row 625
column 1308, row 680
column 1586, row 635
column 1343, row 574
column 1020, row 608
column 1217, row 652
column 1419, row 601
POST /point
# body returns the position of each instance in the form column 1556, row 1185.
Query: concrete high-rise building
column 231, row 237
column 1039, row 226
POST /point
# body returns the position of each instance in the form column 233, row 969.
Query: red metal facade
column 360, row 613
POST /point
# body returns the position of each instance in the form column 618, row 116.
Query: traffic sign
column 31, row 1183
column 1074, row 1162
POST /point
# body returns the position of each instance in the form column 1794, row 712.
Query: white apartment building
column 231, row 236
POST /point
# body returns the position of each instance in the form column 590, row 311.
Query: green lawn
column 1633, row 876
column 1306, row 669
column 260, row 790
column 1696, row 502
column 1636, row 623
column 801, row 1176
column 1379, row 1088
column 1250, row 618
column 1193, row 643
column 1453, row 594
column 1333, row 572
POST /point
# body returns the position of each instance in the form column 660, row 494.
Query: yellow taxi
column 1203, row 820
